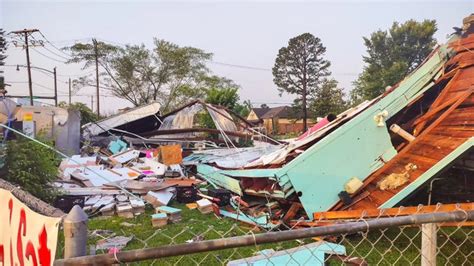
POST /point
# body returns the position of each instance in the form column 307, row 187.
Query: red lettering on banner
column 44, row 252
column 10, row 206
column 19, row 244
column 11, row 252
column 33, row 255
column 30, row 252
column 2, row 256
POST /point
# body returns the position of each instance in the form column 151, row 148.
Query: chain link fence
column 426, row 238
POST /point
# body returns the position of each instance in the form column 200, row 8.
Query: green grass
column 389, row 247
column 193, row 223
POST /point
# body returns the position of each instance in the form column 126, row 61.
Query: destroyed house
column 380, row 153
column 196, row 121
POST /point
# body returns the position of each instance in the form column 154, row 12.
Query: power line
column 61, row 75
column 50, row 51
column 60, row 50
column 240, row 66
column 35, row 83
column 58, row 55
column 49, row 75
column 48, row 56
column 72, row 40
column 77, row 75
column 42, row 86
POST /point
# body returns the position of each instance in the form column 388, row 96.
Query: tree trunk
column 96, row 55
column 305, row 112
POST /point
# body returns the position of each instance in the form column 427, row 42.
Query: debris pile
column 378, row 154
column 119, row 180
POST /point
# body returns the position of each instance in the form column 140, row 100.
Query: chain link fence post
column 428, row 244
column 75, row 233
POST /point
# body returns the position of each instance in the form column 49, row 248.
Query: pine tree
column 300, row 68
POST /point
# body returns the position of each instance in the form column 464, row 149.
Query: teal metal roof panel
column 358, row 147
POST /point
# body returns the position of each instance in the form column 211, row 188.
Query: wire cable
column 47, row 56
column 50, row 43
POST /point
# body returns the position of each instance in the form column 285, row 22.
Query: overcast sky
column 239, row 34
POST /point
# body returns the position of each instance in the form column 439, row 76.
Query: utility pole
column 92, row 103
column 55, row 88
column 55, row 97
column 96, row 54
column 26, row 32
column 69, row 91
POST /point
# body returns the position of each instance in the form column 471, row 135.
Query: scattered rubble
column 375, row 155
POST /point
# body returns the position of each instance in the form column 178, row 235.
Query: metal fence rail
column 410, row 239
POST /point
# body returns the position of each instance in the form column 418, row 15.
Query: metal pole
column 55, row 88
column 25, row 32
column 428, row 244
column 271, row 237
column 75, row 233
column 30, row 83
column 69, row 91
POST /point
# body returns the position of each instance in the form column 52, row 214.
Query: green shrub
column 32, row 167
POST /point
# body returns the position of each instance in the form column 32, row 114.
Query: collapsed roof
column 196, row 121
column 134, row 120
column 372, row 143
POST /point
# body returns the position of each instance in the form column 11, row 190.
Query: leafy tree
column 392, row 54
column 177, row 67
column 223, row 97
column 134, row 77
column 327, row 99
column 300, row 68
column 32, row 166
column 89, row 54
column 168, row 73
column 199, row 88
column 162, row 74
column 264, row 106
column 226, row 97
column 87, row 115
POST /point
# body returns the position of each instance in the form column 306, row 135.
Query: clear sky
column 237, row 33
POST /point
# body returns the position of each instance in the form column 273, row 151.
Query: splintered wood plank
column 438, row 100
column 442, row 141
column 432, row 112
column 468, row 102
column 394, row 164
column 457, row 134
column 422, row 162
column 378, row 198
column 290, row 214
column 460, row 123
column 399, row 211
column 432, row 152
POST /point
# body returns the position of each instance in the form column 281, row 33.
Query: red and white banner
column 26, row 237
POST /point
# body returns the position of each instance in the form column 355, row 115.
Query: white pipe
column 401, row 132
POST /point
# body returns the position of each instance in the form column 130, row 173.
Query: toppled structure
column 194, row 123
column 379, row 154
column 375, row 155
column 134, row 121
